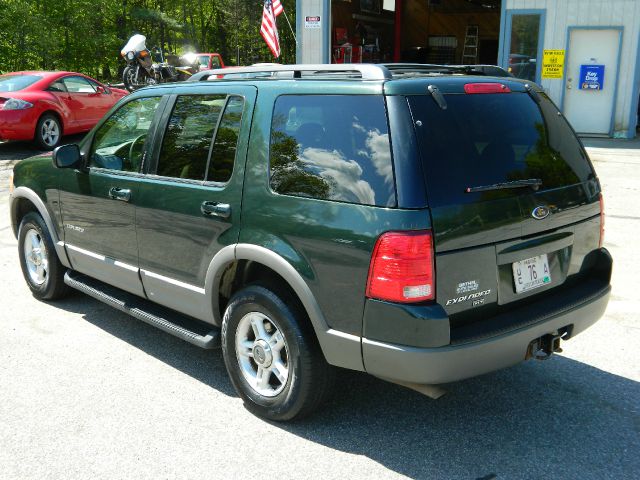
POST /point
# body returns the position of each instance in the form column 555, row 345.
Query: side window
column 96, row 85
column 333, row 148
column 215, row 62
column 78, row 85
column 187, row 139
column 119, row 142
column 57, row 86
column 223, row 154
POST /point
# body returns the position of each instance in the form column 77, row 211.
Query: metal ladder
column 470, row 48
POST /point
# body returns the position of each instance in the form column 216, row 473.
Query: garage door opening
column 451, row 32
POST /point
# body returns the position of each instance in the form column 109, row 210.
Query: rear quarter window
column 493, row 138
column 332, row 147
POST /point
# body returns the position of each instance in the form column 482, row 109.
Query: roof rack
column 363, row 70
column 426, row 68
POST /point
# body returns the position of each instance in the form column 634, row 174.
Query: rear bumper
column 452, row 363
column 482, row 354
column 18, row 124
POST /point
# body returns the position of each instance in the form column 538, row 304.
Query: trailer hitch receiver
column 542, row 348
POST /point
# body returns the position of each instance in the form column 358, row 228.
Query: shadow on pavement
column 206, row 366
column 22, row 150
column 555, row 419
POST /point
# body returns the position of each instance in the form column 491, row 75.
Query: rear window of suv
column 485, row 139
column 332, row 147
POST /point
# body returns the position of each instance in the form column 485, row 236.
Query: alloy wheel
column 50, row 132
column 262, row 354
column 35, row 255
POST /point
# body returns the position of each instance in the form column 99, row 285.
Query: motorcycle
column 142, row 71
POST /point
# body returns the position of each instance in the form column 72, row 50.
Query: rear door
column 189, row 202
column 487, row 238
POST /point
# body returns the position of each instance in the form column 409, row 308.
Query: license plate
column 531, row 273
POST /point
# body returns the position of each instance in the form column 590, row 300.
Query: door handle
column 122, row 194
column 214, row 209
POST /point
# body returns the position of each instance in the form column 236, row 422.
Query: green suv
column 409, row 221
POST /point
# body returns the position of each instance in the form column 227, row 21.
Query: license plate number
column 531, row 273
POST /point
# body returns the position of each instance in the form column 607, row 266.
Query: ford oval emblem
column 540, row 212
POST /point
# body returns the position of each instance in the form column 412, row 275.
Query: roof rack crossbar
column 366, row 71
column 400, row 68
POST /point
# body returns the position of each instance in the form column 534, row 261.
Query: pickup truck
column 208, row 61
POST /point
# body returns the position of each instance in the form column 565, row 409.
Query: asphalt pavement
column 88, row 392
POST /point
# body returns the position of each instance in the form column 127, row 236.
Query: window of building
column 333, row 148
column 524, row 43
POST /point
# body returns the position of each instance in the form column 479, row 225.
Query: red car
column 42, row 106
column 208, row 61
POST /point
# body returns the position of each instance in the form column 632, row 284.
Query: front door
column 591, row 79
column 189, row 202
column 82, row 100
column 98, row 204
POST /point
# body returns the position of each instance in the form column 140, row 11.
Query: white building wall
column 562, row 14
column 313, row 43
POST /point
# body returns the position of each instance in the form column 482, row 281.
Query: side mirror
column 67, row 156
column 100, row 89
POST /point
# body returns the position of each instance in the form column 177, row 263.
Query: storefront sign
column 591, row 77
column 552, row 63
column 312, row 22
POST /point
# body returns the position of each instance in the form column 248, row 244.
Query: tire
column 128, row 74
column 48, row 132
column 40, row 265
column 308, row 378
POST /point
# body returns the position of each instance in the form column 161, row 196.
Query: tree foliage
column 87, row 36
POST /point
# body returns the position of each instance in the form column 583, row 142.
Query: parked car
column 421, row 227
column 522, row 66
column 43, row 106
column 206, row 61
column 489, row 70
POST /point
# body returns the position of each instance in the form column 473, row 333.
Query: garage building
column 584, row 53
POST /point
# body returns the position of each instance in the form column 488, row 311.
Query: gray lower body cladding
column 506, row 342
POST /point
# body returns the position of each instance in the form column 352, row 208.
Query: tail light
column 486, row 88
column 601, row 220
column 401, row 268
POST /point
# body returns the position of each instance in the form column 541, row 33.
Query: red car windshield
column 13, row 83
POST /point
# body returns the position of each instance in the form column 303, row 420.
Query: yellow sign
column 552, row 63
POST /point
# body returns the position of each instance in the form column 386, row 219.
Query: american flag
column 268, row 29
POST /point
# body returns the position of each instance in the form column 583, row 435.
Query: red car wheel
column 48, row 132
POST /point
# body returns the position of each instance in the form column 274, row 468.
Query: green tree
column 85, row 36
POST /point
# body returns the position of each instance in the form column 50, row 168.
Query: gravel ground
column 87, row 392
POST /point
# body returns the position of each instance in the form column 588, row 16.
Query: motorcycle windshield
column 136, row 44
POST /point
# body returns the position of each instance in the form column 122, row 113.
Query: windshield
column 481, row 140
column 13, row 83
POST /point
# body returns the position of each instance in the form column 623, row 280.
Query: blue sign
column 591, row 77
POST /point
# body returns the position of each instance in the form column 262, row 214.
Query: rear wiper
column 534, row 183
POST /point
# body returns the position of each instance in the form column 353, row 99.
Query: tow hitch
column 542, row 348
